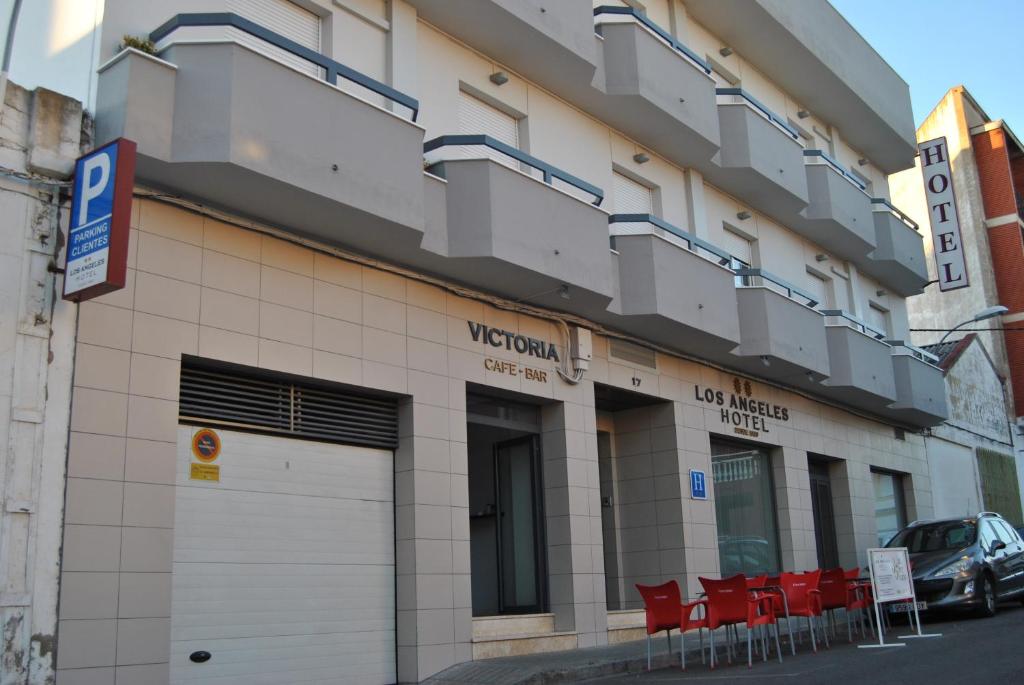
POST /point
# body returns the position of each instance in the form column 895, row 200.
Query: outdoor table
column 776, row 589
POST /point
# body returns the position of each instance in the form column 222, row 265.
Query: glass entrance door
column 520, row 526
column 824, row 515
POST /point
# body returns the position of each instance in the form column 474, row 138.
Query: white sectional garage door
column 284, row 571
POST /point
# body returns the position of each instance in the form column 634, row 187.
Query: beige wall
column 201, row 286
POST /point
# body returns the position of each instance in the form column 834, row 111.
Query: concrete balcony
column 761, row 159
column 518, row 236
column 782, row 336
column 839, row 216
column 217, row 122
column 920, row 387
column 898, row 261
column 860, row 363
column 673, row 287
column 550, row 43
column 812, row 53
column 656, row 88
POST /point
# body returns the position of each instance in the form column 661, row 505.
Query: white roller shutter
column 285, row 18
column 284, row 570
column 477, row 117
column 878, row 318
column 737, row 246
column 819, row 287
column 631, row 197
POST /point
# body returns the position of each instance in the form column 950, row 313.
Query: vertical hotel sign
column 101, row 206
column 938, row 191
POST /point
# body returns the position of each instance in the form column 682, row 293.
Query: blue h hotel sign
column 101, row 207
column 698, row 485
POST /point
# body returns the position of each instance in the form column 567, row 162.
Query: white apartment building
column 486, row 310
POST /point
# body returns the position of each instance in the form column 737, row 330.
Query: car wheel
column 988, row 597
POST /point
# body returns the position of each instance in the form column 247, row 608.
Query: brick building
column 987, row 162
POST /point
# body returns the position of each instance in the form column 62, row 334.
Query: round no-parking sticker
column 206, row 445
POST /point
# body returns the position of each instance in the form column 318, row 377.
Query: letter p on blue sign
column 101, row 207
column 698, row 485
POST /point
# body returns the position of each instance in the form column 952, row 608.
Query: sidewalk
column 580, row 665
column 567, row 667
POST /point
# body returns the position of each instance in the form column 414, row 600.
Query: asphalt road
column 971, row 650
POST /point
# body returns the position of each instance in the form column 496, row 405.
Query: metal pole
column 9, row 45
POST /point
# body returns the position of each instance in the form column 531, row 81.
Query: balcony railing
column 549, row 172
column 760, row 107
column 903, row 348
column 332, row 70
column 838, row 168
column 855, row 323
column 695, row 244
column 883, row 205
column 667, row 37
column 753, row 278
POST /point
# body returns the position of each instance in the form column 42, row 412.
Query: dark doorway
column 824, row 514
column 508, row 555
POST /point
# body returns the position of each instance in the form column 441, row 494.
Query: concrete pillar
column 798, row 549
column 696, row 209
column 434, row 599
column 854, row 503
column 700, row 525
column 647, row 500
column 572, row 506
column 401, row 49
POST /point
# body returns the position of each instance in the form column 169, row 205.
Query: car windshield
column 935, row 537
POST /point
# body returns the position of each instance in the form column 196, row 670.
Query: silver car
column 970, row 563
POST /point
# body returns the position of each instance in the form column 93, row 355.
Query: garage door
column 284, row 570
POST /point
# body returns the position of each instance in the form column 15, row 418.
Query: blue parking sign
column 698, row 485
column 101, row 202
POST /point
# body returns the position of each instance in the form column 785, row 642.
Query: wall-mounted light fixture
column 862, row 161
column 563, row 292
column 725, row 52
column 499, row 78
column 641, row 158
column 803, row 114
column 880, row 293
column 743, row 216
column 821, row 257
column 766, row 360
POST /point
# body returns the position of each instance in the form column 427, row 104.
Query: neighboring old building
column 441, row 312
column 40, row 134
column 970, row 454
column 987, row 162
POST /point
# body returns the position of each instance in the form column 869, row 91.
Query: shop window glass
column 748, row 538
column 890, row 510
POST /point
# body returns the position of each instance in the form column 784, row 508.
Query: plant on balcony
column 141, row 44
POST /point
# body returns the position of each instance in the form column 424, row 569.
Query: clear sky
column 937, row 44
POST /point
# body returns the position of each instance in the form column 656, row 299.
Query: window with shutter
column 738, row 246
column 283, row 17
column 478, row 117
column 631, row 197
column 879, row 318
column 820, row 288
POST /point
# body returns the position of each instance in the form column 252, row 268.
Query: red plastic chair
column 730, row 603
column 662, row 605
column 803, row 598
column 688, row 622
column 757, row 581
column 860, row 598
